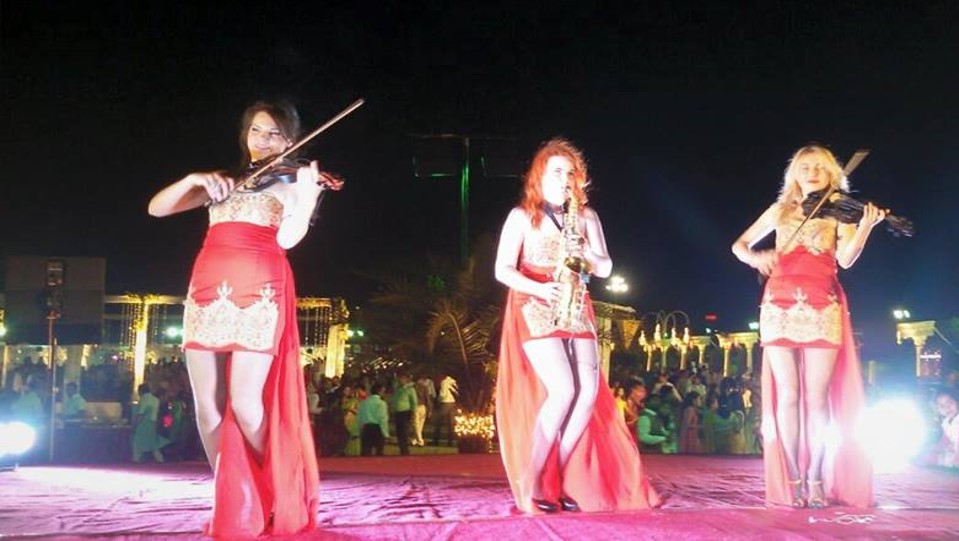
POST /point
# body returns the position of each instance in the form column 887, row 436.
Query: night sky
column 686, row 115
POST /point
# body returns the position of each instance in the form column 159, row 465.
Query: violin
column 847, row 210
column 262, row 174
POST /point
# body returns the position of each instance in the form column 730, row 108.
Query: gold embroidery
column 222, row 322
column 800, row 322
column 541, row 249
column 538, row 319
column 817, row 236
column 258, row 208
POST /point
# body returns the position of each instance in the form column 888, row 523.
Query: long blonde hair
column 790, row 195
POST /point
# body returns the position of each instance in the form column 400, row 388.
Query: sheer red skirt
column 604, row 472
column 847, row 471
column 279, row 496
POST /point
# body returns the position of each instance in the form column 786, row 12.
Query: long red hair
column 532, row 201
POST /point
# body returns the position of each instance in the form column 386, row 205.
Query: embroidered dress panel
column 259, row 208
column 818, row 236
column 800, row 305
column 541, row 248
column 541, row 255
column 801, row 322
column 222, row 322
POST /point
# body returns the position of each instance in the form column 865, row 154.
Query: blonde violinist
column 812, row 387
column 563, row 441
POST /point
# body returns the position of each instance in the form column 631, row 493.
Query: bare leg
column 586, row 363
column 818, row 365
column 247, row 377
column 785, row 369
column 549, row 360
column 208, row 380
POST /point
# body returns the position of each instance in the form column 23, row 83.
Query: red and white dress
column 242, row 298
column 604, row 471
column 805, row 307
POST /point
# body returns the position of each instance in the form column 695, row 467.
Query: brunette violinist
column 240, row 334
column 811, row 381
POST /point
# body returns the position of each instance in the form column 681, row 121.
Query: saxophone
column 573, row 272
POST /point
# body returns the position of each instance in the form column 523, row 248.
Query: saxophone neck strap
column 548, row 209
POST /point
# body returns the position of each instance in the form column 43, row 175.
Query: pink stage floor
column 446, row 497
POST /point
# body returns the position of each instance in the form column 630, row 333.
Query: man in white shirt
column 445, row 410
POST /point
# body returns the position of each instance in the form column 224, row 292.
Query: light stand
column 54, row 311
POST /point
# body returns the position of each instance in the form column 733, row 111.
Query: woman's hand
column 764, row 261
column 871, row 215
column 217, row 185
column 548, row 291
column 308, row 185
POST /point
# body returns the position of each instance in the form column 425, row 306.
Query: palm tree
column 462, row 324
column 443, row 316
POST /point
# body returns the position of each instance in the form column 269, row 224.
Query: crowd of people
column 357, row 416
column 692, row 412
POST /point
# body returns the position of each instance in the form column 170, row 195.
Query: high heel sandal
column 797, row 497
column 545, row 506
column 818, row 502
column 568, row 504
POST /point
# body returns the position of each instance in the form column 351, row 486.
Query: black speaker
column 71, row 288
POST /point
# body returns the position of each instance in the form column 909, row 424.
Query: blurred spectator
column 145, row 437
column 662, row 382
column 709, row 421
column 948, row 407
column 404, row 404
column 730, row 425
column 424, row 407
column 445, row 410
column 620, row 396
column 650, row 429
column 697, row 386
column 753, row 429
column 28, row 407
column 689, row 431
column 374, row 422
column 74, row 406
column 349, row 405
column 635, row 401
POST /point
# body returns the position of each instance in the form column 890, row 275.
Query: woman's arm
column 595, row 250
column 190, row 192
column 763, row 261
column 507, row 257
column 298, row 206
column 852, row 238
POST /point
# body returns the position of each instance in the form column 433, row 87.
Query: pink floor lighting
column 450, row 497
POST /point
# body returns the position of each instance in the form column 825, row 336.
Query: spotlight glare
column 16, row 438
column 891, row 451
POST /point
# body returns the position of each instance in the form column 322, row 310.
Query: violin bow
column 851, row 166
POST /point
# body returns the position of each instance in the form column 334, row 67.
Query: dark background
column 686, row 114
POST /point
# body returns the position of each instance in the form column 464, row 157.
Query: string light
column 474, row 425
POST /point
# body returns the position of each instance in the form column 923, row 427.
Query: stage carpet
column 447, row 497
